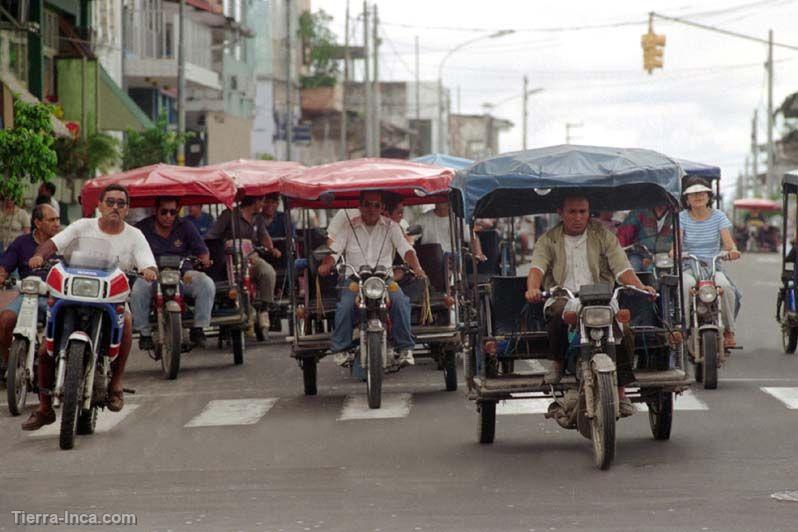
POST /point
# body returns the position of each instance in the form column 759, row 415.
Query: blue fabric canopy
column 692, row 169
column 536, row 181
column 447, row 161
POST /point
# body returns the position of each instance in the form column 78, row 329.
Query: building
column 476, row 136
column 219, row 71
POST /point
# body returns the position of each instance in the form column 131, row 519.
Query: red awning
column 194, row 186
column 339, row 184
column 258, row 178
column 760, row 204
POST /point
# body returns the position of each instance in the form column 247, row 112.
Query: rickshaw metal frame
column 789, row 186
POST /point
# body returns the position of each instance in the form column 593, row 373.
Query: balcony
column 151, row 38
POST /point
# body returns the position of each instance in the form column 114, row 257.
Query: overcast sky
column 698, row 107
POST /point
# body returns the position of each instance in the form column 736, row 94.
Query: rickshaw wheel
column 603, row 422
column 789, row 335
column 660, row 415
column 237, row 340
column 486, row 421
column 309, row 367
column 709, row 348
column 450, row 371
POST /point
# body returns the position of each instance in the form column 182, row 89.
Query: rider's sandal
column 116, row 400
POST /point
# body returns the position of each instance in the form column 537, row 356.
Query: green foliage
column 83, row 158
column 26, row 151
column 155, row 145
column 318, row 45
column 266, row 157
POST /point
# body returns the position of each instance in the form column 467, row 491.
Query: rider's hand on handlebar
column 275, row 253
column 480, row 257
column 534, row 295
column 651, row 290
column 36, row 262
column 733, row 255
column 324, row 270
column 206, row 262
column 149, row 274
column 419, row 273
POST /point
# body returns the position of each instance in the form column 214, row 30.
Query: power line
column 720, row 30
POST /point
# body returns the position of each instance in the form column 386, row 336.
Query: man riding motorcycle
column 580, row 251
column 169, row 235
column 372, row 239
column 45, row 225
column 250, row 225
column 130, row 248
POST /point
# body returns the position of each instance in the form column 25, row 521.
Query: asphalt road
column 287, row 462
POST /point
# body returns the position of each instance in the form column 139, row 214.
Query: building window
column 18, row 55
column 50, row 30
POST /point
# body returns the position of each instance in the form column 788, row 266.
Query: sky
column 699, row 106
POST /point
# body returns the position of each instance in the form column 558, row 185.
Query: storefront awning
column 118, row 111
column 19, row 90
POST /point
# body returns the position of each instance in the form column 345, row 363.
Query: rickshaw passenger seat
column 432, row 260
column 643, row 311
column 511, row 312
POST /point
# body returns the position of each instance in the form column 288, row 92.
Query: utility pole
column 376, row 147
column 367, row 82
column 458, row 99
column 568, row 127
column 771, row 153
column 418, row 105
column 524, row 122
column 754, row 155
column 181, row 83
column 289, row 115
column 344, row 152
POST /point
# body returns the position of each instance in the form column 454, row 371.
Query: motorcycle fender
column 709, row 327
column 172, row 306
column 602, row 363
column 80, row 336
column 375, row 326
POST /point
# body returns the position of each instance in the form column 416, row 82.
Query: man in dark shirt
column 202, row 220
column 45, row 225
column 169, row 235
column 275, row 221
column 249, row 225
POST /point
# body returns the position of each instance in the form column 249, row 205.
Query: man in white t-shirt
column 130, row 248
column 435, row 230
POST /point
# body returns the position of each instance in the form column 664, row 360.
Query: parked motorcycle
column 84, row 330
column 23, row 361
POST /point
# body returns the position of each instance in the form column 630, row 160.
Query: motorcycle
column 593, row 406
column 706, row 322
column 23, row 361
column 84, row 330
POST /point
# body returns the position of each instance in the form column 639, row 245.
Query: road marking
column 686, row 401
column 393, row 405
column 226, row 412
column 106, row 420
column 523, row 406
column 788, row 396
column 768, row 259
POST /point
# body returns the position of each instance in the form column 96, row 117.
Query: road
column 287, row 462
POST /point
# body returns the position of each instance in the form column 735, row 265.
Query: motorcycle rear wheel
column 17, row 380
column 374, row 374
column 70, row 405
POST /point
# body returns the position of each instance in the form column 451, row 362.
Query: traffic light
column 653, row 45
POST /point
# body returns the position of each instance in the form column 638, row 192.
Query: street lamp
column 501, row 33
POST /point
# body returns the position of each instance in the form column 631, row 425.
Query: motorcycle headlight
column 707, row 293
column 83, row 287
column 170, row 277
column 596, row 334
column 597, row 316
column 374, row 287
column 29, row 286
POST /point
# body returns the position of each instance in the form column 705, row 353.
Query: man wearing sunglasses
column 169, row 235
column 130, row 248
column 372, row 239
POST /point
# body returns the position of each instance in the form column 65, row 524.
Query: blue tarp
column 535, row 181
column 706, row 171
column 446, row 161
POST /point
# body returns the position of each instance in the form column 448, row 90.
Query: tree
column 318, row 47
column 83, row 158
column 155, row 145
column 26, row 150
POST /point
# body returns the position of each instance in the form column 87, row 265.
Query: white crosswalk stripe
column 788, row 396
column 219, row 413
column 685, row 401
column 394, row 405
column 106, row 421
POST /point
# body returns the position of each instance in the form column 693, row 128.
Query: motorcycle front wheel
column 17, row 380
column 603, row 422
column 173, row 344
column 374, row 375
column 709, row 353
column 73, row 385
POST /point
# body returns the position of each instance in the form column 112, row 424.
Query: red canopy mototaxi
column 258, row 178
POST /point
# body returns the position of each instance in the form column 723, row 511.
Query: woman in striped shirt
column 704, row 232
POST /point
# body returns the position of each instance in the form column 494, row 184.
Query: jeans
column 728, row 299
column 16, row 305
column 201, row 288
column 345, row 320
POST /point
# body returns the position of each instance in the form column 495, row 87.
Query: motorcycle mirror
column 413, row 230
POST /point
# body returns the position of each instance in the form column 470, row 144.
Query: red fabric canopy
column 757, row 204
column 339, row 184
column 194, row 186
column 258, row 178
